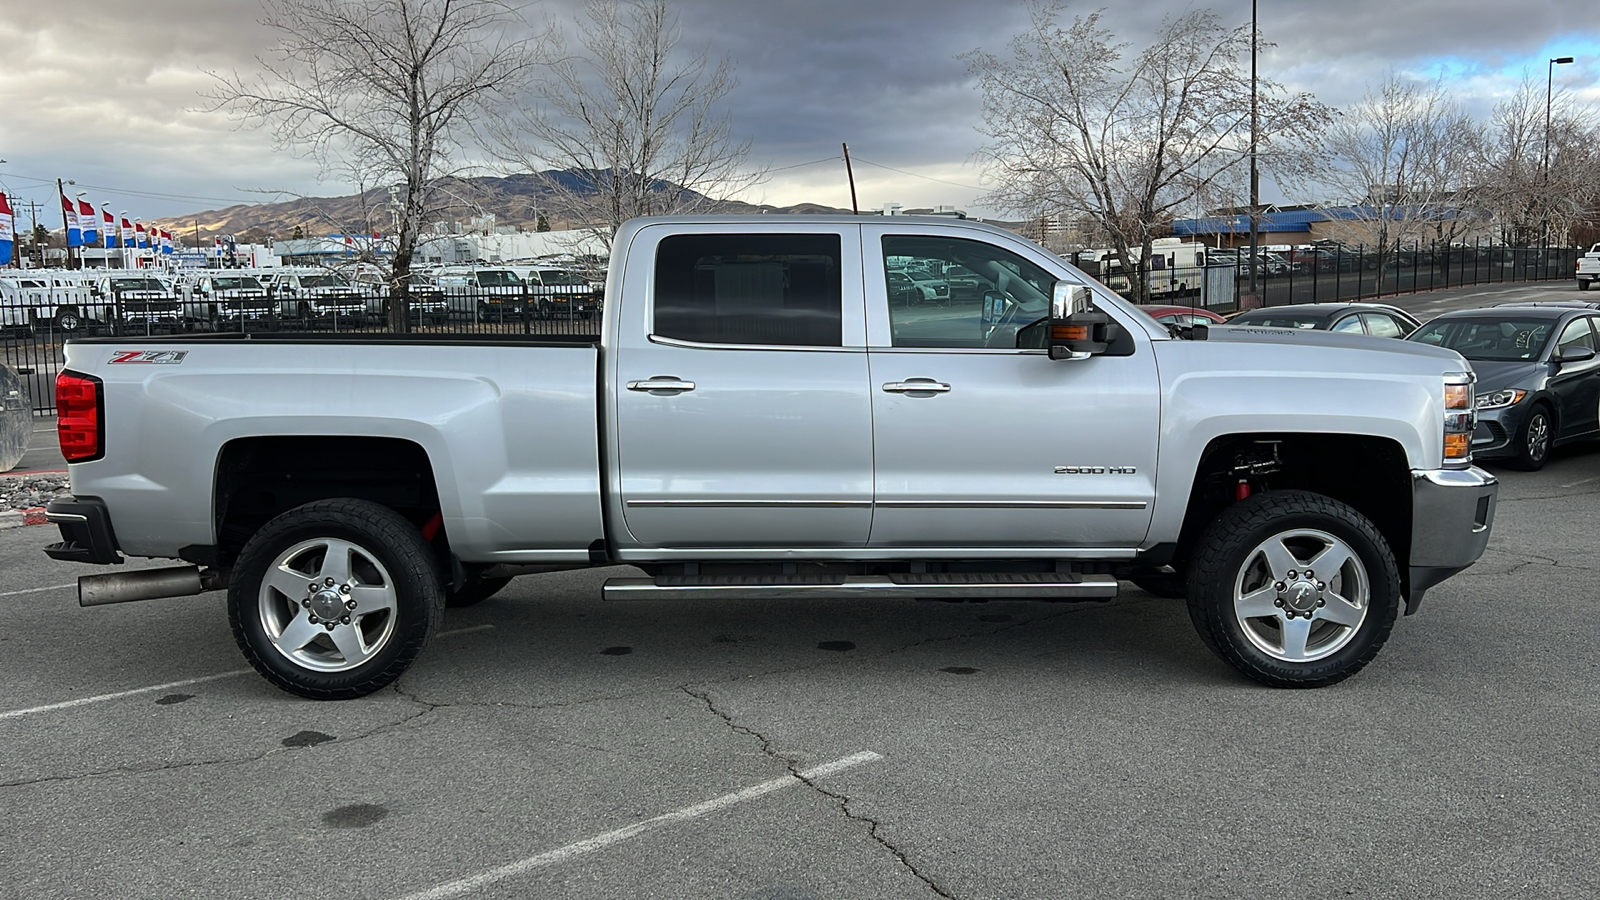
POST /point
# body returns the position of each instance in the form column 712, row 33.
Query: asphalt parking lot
column 550, row 744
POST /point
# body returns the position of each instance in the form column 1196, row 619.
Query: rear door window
column 1381, row 325
column 775, row 289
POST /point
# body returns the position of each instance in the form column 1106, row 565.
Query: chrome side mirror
column 1077, row 329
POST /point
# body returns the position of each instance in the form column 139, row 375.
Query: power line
column 154, row 195
column 958, row 184
column 814, row 162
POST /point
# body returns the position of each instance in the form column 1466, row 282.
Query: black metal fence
column 1336, row 273
column 34, row 325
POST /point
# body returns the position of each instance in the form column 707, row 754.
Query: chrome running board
column 959, row 586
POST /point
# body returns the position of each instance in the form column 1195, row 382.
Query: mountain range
column 514, row 200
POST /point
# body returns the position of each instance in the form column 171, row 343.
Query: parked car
column 1183, row 315
column 318, row 298
column 1376, row 319
column 1588, row 268
column 226, row 300
column 1538, row 378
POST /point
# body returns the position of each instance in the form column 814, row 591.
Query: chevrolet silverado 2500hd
column 756, row 417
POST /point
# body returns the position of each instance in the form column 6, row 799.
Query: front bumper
column 1452, row 513
column 1495, row 436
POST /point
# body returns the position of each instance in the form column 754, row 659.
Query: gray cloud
column 109, row 94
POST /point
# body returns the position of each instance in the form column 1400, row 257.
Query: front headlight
column 1501, row 399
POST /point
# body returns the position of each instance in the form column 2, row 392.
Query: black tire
column 1534, row 439
column 68, row 320
column 380, row 537
column 475, row 589
column 1230, row 560
column 1583, row 285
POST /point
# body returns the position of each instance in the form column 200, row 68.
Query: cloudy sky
column 109, row 94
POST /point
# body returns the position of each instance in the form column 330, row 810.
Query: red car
column 1182, row 315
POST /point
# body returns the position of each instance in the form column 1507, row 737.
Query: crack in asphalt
column 874, row 829
column 119, row 771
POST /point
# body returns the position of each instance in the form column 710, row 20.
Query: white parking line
column 85, row 701
column 602, row 841
column 67, row 704
column 53, row 587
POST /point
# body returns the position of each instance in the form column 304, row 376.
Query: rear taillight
column 80, row 417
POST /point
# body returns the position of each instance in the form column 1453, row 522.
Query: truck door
column 739, row 388
column 979, row 444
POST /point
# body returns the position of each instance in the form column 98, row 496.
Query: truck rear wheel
column 335, row 599
column 1293, row 589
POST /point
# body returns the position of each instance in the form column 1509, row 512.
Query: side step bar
column 984, row 586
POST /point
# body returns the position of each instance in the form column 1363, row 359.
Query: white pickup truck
column 1589, row 268
column 757, row 417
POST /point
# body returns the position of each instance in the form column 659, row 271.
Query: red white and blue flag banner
column 74, row 231
column 7, row 236
column 166, row 241
column 127, row 233
column 110, row 229
column 89, row 222
column 141, row 236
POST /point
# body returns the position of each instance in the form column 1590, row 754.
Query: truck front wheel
column 335, row 599
column 1294, row 589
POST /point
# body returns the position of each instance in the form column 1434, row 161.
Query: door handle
column 663, row 384
column 916, row 386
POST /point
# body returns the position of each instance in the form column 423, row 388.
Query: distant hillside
column 514, row 200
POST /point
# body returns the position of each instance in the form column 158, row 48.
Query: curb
column 16, row 518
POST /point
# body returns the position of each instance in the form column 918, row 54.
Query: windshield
column 244, row 282
column 1489, row 339
column 498, row 279
column 137, row 284
column 556, row 276
column 323, row 281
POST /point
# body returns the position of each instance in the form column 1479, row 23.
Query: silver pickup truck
column 760, row 415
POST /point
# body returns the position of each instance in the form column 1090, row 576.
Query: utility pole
column 33, row 230
column 1255, row 175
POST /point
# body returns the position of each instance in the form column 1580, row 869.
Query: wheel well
column 1368, row 473
column 262, row 477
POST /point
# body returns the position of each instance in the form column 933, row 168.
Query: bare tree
column 630, row 127
column 1529, row 197
column 384, row 91
column 1399, row 170
column 1075, row 128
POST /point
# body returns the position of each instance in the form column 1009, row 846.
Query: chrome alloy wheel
column 327, row 605
column 1301, row 595
column 1538, row 436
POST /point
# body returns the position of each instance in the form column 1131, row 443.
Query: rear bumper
column 86, row 534
column 1452, row 514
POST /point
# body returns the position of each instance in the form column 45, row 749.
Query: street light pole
column 1544, row 192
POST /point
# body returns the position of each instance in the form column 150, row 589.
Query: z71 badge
column 150, row 357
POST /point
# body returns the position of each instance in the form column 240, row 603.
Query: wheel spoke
column 1258, row 604
column 1340, row 610
column 348, row 639
column 298, row 633
column 336, row 562
column 288, row 582
column 371, row 598
column 1279, row 558
column 1330, row 561
column 1296, row 632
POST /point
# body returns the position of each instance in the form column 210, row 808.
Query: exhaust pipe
column 148, row 584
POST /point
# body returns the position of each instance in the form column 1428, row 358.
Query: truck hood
column 1307, row 337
